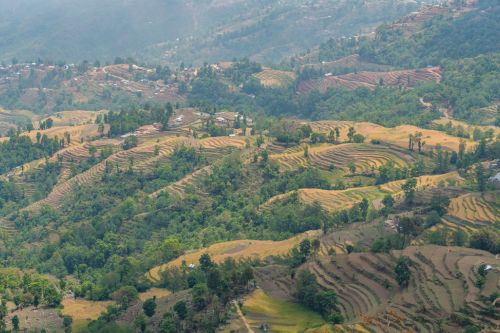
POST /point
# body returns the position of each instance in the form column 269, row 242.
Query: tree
column 140, row 322
column 388, row 201
column 351, row 133
column 149, row 307
column 305, row 247
column 352, row 167
column 67, row 321
column 409, row 189
column 181, row 309
column 316, row 244
column 200, row 295
column 206, row 263
column 100, row 129
column 402, row 271
column 171, row 248
column 260, row 141
column 481, row 178
column 168, row 324
column 15, row 323
column 409, row 226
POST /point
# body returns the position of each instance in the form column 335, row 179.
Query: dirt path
column 242, row 316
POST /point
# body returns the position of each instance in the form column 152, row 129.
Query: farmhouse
column 495, row 180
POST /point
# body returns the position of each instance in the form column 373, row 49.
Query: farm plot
column 238, row 250
column 275, row 78
column 74, row 118
column 442, row 281
column 139, row 158
column 365, row 157
column 179, row 188
column 403, row 78
column 333, row 200
column 77, row 133
column 475, row 207
column 281, row 316
column 397, row 135
column 83, row 311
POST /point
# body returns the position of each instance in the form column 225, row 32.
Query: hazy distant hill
column 174, row 30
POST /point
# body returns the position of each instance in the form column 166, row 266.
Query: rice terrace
column 246, row 166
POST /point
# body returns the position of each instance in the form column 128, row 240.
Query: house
column 495, row 180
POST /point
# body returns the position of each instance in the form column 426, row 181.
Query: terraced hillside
column 442, row 282
column 370, row 80
column 333, row 200
column 140, row 158
column 397, row 136
column 77, row 133
column 470, row 213
column 238, row 250
column 275, row 78
column 476, row 207
column 179, row 187
column 365, row 157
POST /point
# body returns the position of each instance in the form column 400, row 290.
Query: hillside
column 171, row 30
column 354, row 187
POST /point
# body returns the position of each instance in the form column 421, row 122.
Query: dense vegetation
column 20, row 149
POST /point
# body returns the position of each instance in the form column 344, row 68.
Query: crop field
column 83, row 311
column 141, row 157
column 178, row 188
column 281, row 316
column 403, row 78
column 469, row 128
column 364, row 156
column 33, row 319
column 476, row 207
column 77, row 133
column 73, row 118
column 397, row 135
column 333, row 200
column 442, row 281
column 275, row 78
column 238, row 250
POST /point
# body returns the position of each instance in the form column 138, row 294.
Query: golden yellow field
column 239, row 249
column 275, row 78
column 73, row 118
column 474, row 207
column 397, row 135
column 469, row 128
column 157, row 292
column 364, row 156
column 82, row 311
column 333, row 200
column 77, row 133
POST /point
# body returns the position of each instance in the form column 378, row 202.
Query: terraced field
column 77, row 133
column 178, row 188
column 365, row 157
column 403, row 78
column 333, row 200
column 141, row 157
column 73, row 118
column 469, row 128
column 397, row 135
column 281, row 316
column 442, row 281
column 238, row 250
column 475, row 207
column 7, row 228
column 275, row 78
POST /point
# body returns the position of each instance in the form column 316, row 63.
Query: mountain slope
column 190, row 31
